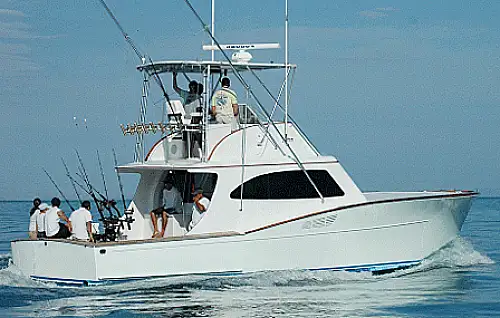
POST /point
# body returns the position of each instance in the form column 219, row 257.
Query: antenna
column 242, row 56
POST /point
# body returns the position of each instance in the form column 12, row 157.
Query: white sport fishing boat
column 276, row 203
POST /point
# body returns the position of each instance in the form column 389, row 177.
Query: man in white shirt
column 33, row 214
column 172, row 203
column 40, row 220
column 81, row 221
column 200, row 206
column 53, row 227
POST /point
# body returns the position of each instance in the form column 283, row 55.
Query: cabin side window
column 285, row 185
column 199, row 181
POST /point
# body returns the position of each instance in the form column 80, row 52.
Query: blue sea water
column 461, row 280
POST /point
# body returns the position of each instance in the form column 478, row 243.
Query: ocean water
column 461, row 280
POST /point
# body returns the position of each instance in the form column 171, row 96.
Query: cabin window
column 203, row 181
column 285, row 185
column 187, row 183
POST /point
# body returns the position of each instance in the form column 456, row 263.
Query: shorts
column 159, row 211
column 63, row 232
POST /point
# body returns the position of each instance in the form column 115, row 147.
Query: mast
column 286, row 71
column 213, row 28
column 208, row 88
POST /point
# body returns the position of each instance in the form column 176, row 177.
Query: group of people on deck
column 172, row 204
column 45, row 221
column 224, row 103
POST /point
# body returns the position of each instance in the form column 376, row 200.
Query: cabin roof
column 216, row 67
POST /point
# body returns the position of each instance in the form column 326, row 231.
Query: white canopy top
column 202, row 66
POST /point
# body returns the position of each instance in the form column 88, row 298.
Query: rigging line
column 119, row 181
column 125, row 35
column 281, row 107
column 58, row 189
column 246, row 86
column 276, row 100
column 71, row 180
column 238, row 75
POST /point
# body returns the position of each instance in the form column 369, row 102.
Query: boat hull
column 374, row 236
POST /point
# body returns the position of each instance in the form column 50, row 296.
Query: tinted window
column 288, row 185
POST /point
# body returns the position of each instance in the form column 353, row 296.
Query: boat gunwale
column 429, row 196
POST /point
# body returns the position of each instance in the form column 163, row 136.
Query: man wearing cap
column 172, row 203
column 200, row 206
column 225, row 104
column 81, row 221
column 40, row 220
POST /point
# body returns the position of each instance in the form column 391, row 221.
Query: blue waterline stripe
column 369, row 267
column 358, row 268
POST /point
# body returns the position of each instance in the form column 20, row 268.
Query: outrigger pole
column 58, row 189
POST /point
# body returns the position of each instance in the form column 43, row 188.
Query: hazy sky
column 404, row 93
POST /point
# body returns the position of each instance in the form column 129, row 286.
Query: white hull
column 389, row 231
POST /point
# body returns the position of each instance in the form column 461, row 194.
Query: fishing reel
column 113, row 224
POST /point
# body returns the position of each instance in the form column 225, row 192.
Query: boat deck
column 128, row 242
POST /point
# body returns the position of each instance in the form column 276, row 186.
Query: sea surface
column 461, row 280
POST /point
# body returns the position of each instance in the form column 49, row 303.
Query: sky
column 404, row 93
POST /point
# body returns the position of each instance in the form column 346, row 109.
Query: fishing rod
column 119, row 181
column 84, row 176
column 82, row 170
column 104, row 202
column 101, row 203
column 96, row 201
column 58, row 189
column 71, row 180
column 102, row 174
